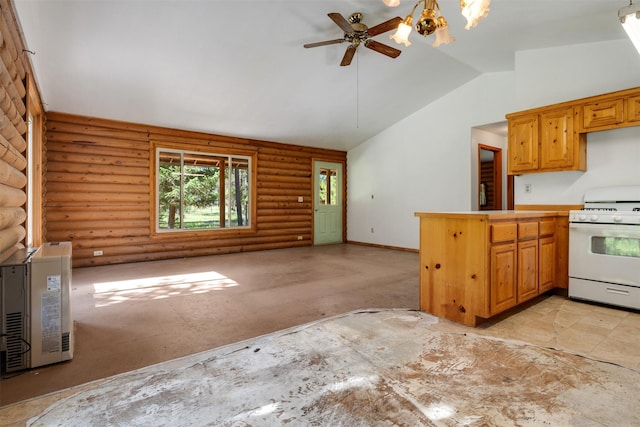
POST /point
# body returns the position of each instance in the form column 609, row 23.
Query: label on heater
column 51, row 324
column 53, row 283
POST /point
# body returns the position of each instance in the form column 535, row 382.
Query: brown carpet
column 387, row 367
column 129, row 316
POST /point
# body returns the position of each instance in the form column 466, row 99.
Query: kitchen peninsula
column 474, row 265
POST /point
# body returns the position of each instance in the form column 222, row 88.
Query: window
column 202, row 191
column 328, row 183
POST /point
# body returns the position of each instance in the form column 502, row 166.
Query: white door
column 327, row 188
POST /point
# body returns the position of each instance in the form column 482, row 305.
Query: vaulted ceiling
column 236, row 67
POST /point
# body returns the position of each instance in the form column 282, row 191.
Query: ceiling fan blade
column 348, row 55
column 382, row 48
column 341, row 22
column 336, row 41
column 389, row 25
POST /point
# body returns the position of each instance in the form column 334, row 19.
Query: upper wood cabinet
column 545, row 141
column 602, row 114
column 523, row 144
column 553, row 138
column 633, row 109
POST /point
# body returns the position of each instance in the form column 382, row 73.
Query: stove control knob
column 582, row 217
column 617, row 218
column 593, row 217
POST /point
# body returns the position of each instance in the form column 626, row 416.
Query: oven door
column 605, row 253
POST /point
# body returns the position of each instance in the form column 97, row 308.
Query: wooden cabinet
column 603, row 113
column 553, row 138
column 545, row 141
column 633, row 109
column 606, row 112
column 523, row 144
column 478, row 265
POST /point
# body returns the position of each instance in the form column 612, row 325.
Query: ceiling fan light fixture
column 474, row 10
column 442, row 33
column 428, row 23
column 630, row 19
column 401, row 36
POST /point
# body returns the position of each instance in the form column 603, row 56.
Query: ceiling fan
column 357, row 33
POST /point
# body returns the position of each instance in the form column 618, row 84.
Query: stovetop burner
column 610, row 205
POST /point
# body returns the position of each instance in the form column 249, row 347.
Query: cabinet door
column 633, row 109
column 523, row 144
column 557, row 139
column 602, row 114
column 527, row 270
column 503, row 277
column 547, row 264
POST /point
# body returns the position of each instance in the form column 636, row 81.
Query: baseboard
column 374, row 245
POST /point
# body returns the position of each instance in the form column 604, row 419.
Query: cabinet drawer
column 527, row 230
column 503, row 232
column 547, row 227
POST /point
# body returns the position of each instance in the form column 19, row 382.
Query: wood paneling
column 13, row 132
column 98, row 192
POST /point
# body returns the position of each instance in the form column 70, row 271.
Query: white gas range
column 604, row 247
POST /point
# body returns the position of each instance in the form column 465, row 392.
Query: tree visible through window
column 201, row 191
column 328, row 186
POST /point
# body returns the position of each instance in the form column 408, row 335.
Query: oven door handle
column 617, row 291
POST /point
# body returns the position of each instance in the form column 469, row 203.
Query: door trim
column 497, row 174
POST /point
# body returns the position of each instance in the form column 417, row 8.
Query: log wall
column 13, row 131
column 98, row 192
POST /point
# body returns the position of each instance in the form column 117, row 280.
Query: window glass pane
column 239, row 192
column 328, row 183
column 618, row 246
column 201, row 199
column 202, row 191
column 169, row 195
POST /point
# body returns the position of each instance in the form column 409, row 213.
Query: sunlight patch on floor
column 160, row 287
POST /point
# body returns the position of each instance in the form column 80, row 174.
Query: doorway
column 489, row 177
column 327, row 202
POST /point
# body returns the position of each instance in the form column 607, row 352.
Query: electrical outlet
column 299, row 237
column 97, row 253
column 300, row 199
column 527, row 188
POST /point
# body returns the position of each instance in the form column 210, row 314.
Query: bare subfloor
column 133, row 315
column 363, row 368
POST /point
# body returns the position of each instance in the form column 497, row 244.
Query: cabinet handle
column 437, row 266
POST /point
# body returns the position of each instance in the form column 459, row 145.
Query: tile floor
column 595, row 331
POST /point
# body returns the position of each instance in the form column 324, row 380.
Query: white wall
column 573, row 72
column 549, row 76
column 422, row 163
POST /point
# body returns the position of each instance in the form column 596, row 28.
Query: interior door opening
column 489, row 178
